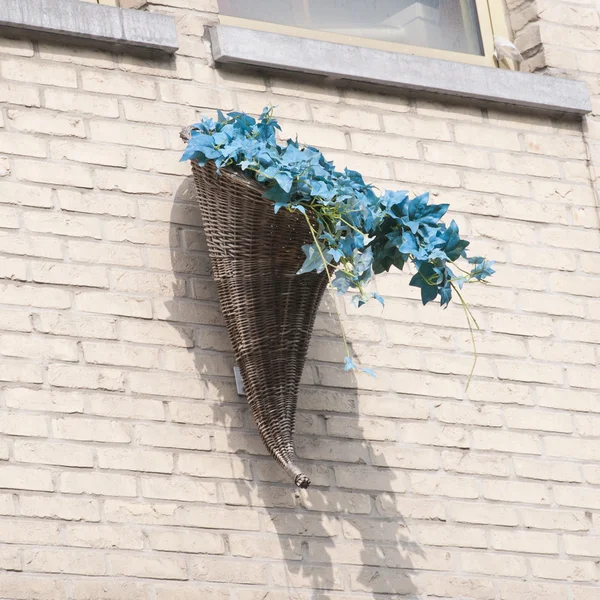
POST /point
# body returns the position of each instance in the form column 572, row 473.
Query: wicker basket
column 269, row 310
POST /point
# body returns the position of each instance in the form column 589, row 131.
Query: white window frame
column 492, row 21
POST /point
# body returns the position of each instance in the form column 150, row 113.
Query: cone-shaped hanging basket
column 269, row 310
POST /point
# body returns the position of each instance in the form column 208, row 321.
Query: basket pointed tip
column 302, row 481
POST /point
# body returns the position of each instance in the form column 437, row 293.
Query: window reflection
column 441, row 24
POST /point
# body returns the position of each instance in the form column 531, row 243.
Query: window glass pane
column 443, row 24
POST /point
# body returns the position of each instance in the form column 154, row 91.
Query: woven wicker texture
column 269, row 310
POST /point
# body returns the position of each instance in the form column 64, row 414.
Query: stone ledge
column 405, row 71
column 92, row 25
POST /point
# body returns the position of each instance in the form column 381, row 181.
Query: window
column 460, row 30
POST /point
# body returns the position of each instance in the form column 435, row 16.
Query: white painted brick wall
column 129, row 467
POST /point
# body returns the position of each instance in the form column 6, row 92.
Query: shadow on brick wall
column 345, row 533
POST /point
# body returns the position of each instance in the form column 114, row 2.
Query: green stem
column 325, row 264
column 469, row 316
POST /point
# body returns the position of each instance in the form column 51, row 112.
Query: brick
column 24, row 145
column 570, row 447
column 193, row 95
column 555, row 520
column 10, row 218
column 103, row 589
column 53, row 454
column 519, row 418
column 484, row 514
column 370, row 479
column 13, row 424
column 417, row 173
column 23, row 478
column 113, row 254
column 133, row 183
column 228, row 571
column 50, row 123
column 546, row 471
column 205, row 414
column 85, row 152
column 123, row 84
column 42, row 73
column 86, row 104
column 450, row 154
column 450, row 535
column 572, row 284
column 504, row 441
column 513, row 491
column 16, row 531
column 565, row 570
column 58, row 174
column 453, row 487
column 566, row 495
column 495, row 137
column 373, row 580
column 105, row 484
column 316, row 135
column 525, row 541
column 196, row 593
column 126, row 133
column 103, row 536
column 261, row 547
column 518, row 325
column 14, row 269
column 97, row 430
column 384, row 145
column 434, row 435
column 192, row 542
column 410, row 126
column 582, row 546
column 554, row 305
column 475, row 464
column 159, row 114
column 179, row 488
column 370, row 429
column 352, row 503
column 71, row 376
column 491, row 182
column 213, row 466
column 546, row 258
column 390, row 406
column 152, row 567
column 113, row 304
column 14, row 93
column 20, row 587
column 38, row 246
column 150, row 234
column 127, row 459
column 38, row 347
column 76, row 326
column 575, row 400
column 20, row 372
column 116, row 406
column 345, row 117
column 60, row 507
column 170, row 436
column 150, row 383
column 64, row 561
column 119, row 206
column 393, row 456
column 469, row 415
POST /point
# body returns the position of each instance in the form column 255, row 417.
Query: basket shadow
column 345, row 533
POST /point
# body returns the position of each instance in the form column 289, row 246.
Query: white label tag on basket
column 239, row 384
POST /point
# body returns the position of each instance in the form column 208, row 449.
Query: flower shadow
column 343, row 534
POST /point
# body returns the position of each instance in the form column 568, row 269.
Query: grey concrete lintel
column 89, row 24
column 484, row 84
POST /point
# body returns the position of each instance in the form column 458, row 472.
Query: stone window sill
column 481, row 84
column 88, row 24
